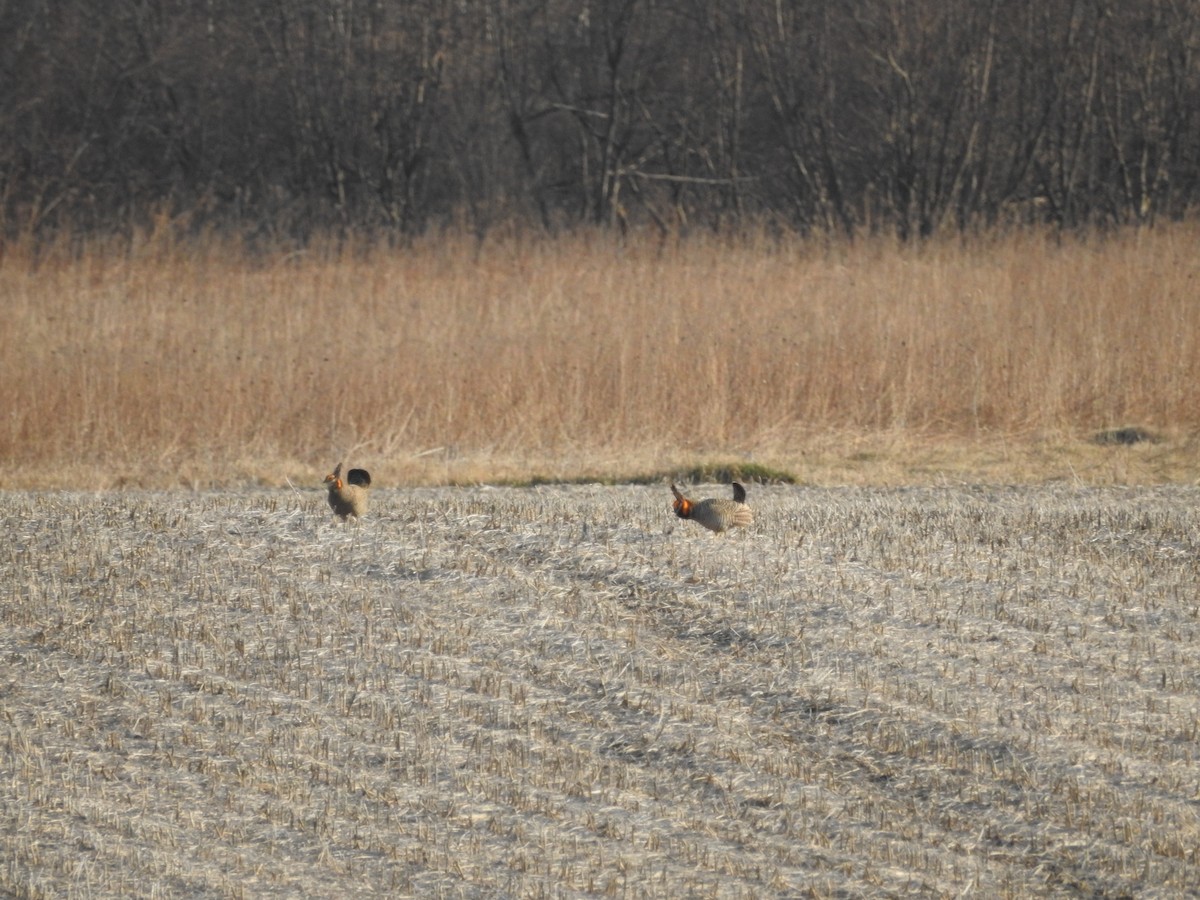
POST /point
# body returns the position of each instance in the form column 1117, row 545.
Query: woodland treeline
column 908, row 116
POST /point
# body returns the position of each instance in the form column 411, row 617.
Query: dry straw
column 569, row 692
column 199, row 361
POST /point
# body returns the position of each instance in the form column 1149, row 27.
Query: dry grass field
column 564, row 691
column 160, row 363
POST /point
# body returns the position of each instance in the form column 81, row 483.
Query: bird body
column 348, row 498
column 714, row 514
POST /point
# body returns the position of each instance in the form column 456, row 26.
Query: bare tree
column 290, row 116
column 1146, row 101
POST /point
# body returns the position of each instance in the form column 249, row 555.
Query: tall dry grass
column 163, row 359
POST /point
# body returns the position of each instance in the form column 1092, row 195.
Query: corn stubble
column 198, row 362
column 567, row 691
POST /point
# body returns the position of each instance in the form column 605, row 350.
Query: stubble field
column 563, row 691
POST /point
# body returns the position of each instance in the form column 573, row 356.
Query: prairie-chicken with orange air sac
column 715, row 515
column 348, row 498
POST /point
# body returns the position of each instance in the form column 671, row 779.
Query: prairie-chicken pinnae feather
column 715, row 515
column 348, row 498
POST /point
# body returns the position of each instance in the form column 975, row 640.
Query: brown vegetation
column 197, row 362
column 569, row 692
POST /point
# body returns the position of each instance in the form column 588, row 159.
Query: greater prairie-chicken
column 348, row 498
column 715, row 515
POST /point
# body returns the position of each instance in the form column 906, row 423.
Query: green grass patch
column 718, row 473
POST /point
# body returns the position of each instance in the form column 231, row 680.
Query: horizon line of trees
column 293, row 116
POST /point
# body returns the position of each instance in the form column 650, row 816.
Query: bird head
column 683, row 506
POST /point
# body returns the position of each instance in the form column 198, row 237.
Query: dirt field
column 567, row 692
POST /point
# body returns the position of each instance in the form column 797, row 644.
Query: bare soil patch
column 564, row 691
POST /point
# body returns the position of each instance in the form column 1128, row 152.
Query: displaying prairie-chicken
column 715, row 515
column 348, row 498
